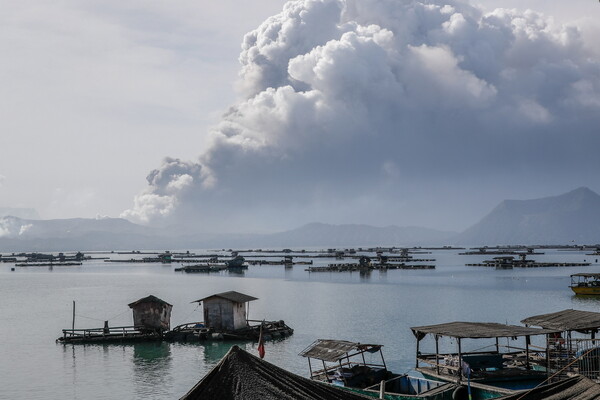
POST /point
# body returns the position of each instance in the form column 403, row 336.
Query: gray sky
column 379, row 112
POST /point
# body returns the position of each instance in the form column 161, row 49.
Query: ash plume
column 353, row 109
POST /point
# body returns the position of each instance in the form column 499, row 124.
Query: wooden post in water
column 459, row 361
column 73, row 325
column 527, row 340
column 437, row 354
column 417, row 357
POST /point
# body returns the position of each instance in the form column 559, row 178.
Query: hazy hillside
column 573, row 217
column 317, row 234
column 27, row 213
column 567, row 218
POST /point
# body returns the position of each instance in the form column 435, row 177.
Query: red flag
column 261, row 344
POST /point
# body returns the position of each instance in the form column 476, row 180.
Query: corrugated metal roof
column 335, row 350
column 566, row 320
column 477, row 330
column 234, row 296
column 149, row 299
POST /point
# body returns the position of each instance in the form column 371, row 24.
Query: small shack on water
column 226, row 311
column 151, row 314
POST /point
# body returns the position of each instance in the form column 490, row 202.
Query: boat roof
column 242, row 376
column 588, row 274
column 148, row 299
column 334, row 350
column 232, row 295
column 566, row 320
column 477, row 330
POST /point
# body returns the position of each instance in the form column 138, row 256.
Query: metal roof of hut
column 234, row 296
column 148, row 299
column 335, row 350
column 566, row 320
column 577, row 387
column 243, row 376
column 477, row 330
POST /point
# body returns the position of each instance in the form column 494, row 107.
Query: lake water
column 376, row 308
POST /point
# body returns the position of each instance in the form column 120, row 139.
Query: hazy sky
column 374, row 111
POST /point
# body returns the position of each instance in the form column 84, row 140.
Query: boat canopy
column 566, row 320
column 243, row 376
column 587, row 275
column 335, row 350
column 477, row 330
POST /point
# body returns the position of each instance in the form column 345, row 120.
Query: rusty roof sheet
column 477, row 330
column 335, row 350
column 566, row 320
column 234, row 296
column 149, row 299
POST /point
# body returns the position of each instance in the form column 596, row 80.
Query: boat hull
column 586, row 290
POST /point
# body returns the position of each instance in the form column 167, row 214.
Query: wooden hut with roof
column 151, row 314
column 227, row 311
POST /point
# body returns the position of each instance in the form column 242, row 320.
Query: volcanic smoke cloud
column 354, row 105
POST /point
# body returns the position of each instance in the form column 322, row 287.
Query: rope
column 187, row 316
column 83, row 316
column 118, row 315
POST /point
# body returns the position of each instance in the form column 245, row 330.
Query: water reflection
column 152, row 368
column 586, row 300
column 214, row 351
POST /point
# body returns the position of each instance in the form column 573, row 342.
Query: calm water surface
column 378, row 308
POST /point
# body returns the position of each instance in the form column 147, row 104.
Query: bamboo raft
column 197, row 332
column 518, row 264
column 190, row 332
column 48, row 264
column 279, row 262
column 361, row 268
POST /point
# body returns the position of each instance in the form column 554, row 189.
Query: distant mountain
column 573, row 217
column 317, row 234
column 18, row 234
column 27, row 213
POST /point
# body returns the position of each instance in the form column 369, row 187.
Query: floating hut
column 226, row 318
column 151, row 318
column 226, row 311
column 509, row 262
column 151, row 314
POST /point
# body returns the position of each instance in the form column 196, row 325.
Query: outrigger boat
column 345, row 364
column 586, row 283
column 494, row 370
